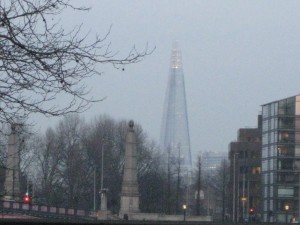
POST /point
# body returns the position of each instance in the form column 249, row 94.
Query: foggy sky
column 237, row 55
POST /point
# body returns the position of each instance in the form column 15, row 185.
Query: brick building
column 245, row 174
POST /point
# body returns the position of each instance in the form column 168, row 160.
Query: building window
column 244, row 169
column 265, row 125
column 285, row 150
column 265, row 138
column 243, row 184
column 265, row 111
column 282, row 150
column 265, row 205
column 271, row 178
column 286, row 123
column 271, row 204
column 286, row 137
column 287, row 106
column 297, row 150
column 264, row 152
column 271, row 191
column 285, row 191
column 256, row 170
column 285, row 178
column 285, row 164
column 284, row 202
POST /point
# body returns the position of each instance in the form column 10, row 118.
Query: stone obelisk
column 130, row 193
column 12, row 176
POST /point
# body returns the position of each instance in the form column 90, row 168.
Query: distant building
column 211, row 161
column 281, row 159
column 245, row 169
column 175, row 139
column 210, row 169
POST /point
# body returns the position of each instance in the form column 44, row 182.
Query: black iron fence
column 122, row 222
column 60, row 215
column 45, row 211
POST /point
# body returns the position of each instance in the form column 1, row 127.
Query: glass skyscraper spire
column 175, row 139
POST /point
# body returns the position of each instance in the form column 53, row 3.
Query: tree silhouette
column 40, row 61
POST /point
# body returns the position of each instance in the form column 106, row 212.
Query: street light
column 244, row 182
column 103, row 191
column 299, row 198
column 102, row 166
column 95, row 188
column 102, row 175
column 234, row 201
column 184, row 211
column 286, row 208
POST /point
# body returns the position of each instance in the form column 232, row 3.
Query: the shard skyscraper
column 174, row 138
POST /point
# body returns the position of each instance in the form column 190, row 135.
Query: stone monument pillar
column 130, row 193
column 12, row 176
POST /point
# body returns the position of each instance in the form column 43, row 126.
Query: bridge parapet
column 44, row 210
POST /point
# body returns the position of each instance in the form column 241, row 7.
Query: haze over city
column 237, row 55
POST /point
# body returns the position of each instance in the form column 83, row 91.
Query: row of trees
column 65, row 164
column 63, row 167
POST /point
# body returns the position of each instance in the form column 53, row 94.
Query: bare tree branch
column 40, row 61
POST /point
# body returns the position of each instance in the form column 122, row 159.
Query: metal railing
column 46, row 211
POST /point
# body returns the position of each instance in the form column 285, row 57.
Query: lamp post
column 102, row 175
column 102, row 149
column 103, row 191
column 207, row 191
column 184, row 211
column 299, row 198
column 234, row 201
column 286, row 208
column 94, row 188
column 243, row 190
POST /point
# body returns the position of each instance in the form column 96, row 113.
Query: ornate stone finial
column 131, row 124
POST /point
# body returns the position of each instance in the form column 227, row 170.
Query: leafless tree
column 68, row 164
column 178, row 180
column 169, row 180
column 40, row 61
column 198, row 183
column 48, row 159
column 174, row 181
column 222, row 184
column 74, row 166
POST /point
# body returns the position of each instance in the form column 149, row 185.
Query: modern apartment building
column 281, row 160
column 245, row 174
